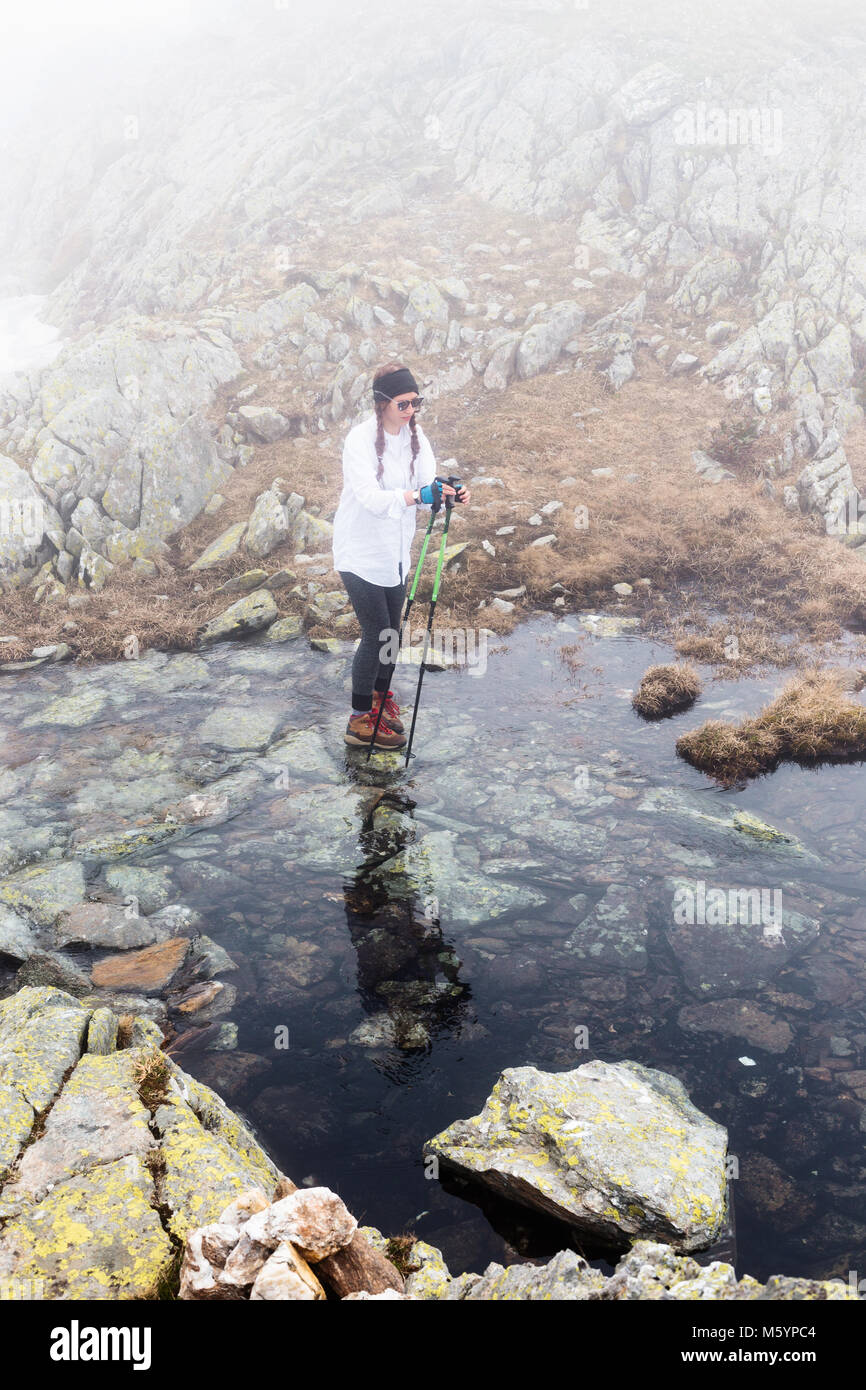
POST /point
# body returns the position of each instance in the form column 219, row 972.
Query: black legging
column 376, row 609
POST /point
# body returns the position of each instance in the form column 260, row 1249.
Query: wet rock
column 614, row 934
column 733, row 829
column 176, row 919
column 771, row 1194
column 148, row 890
column 206, row 959
column 49, row 968
column 515, row 972
column 733, row 949
column 205, row 1001
column 148, row 970
column 231, row 1073
column 104, row 924
column 606, row 625
column 378, row 1031
column 614, row 1150
column 738, row 1018
column 431, row 867
column 241, row 727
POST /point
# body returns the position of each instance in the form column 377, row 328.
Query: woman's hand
column 436, row 490
column 461, row 493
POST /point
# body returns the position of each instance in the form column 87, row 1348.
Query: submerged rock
column 614, row 1150
column 728, row 939
column 738, row 1018
column 431, row 867
column 614, row 934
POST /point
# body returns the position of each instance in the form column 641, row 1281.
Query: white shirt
column 374, row 525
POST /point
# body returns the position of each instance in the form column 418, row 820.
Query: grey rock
column 614, row 1150
column 264, row 423
column 613, row 936
column 18, row 939
column 250, row 614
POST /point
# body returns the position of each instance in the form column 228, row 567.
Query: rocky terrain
column 122, row 1177
column 624, row 250
column 669, row 223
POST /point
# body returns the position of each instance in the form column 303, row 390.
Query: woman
column 388, row 469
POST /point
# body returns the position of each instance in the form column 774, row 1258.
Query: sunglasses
column 403, row 406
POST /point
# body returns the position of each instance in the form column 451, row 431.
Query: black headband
column 394, row 384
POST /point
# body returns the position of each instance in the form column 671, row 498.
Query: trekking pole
column 437, row 503
column 449, row 505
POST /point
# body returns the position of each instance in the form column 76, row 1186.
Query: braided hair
column 380, row 408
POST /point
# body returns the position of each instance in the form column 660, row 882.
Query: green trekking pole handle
column 409, row 601
column 449, row 505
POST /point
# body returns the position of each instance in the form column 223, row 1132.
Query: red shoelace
column 391, row 706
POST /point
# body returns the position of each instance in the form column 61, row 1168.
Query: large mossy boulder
column 615, row 1150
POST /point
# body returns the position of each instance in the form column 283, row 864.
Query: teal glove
column 427, row 495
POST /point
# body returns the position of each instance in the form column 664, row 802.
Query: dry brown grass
column 151, row 1073
column 726, row 549
column 666, row 690
column 812, row 720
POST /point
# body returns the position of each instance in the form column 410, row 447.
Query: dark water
column 535, row 778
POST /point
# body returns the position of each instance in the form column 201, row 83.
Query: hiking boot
column 391, row 712
column 359, row 731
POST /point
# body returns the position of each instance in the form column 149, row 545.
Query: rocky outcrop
column 108, row 1157
column 122, row 1177
column 120, row 453
column 649, row 1271
column 617, row 1151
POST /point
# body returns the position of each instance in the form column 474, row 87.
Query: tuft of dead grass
column 665, row 690
column 813, row 719
column 399, row 1252
column 152, row 1073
